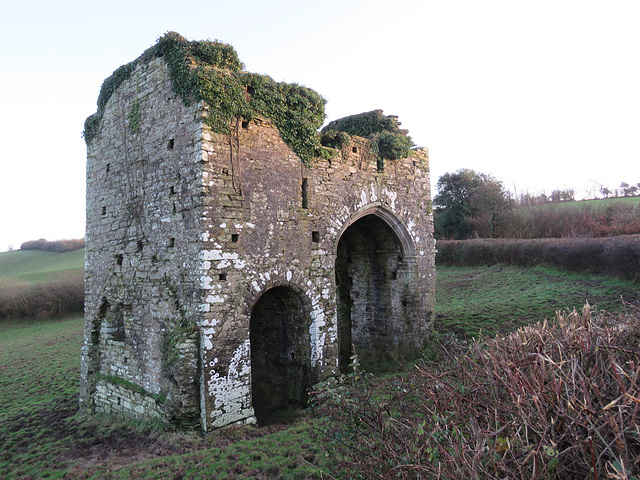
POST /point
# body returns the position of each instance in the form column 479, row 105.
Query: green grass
column 598, row 205
column 30, row 267
column 490, row 300
column 42, row 435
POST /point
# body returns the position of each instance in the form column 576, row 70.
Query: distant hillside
column 24, row 267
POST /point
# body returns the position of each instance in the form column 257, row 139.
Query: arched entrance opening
column 280, row 353
column 373, row 285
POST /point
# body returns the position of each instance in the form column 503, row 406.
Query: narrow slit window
column 172, row 242
column 172, row 190
column 305, row 193
column 380, row 165
column 139, row 246
column 104, row 210
column 108, row 167
column 119, row 258
column 315, row 236
column 170, row 144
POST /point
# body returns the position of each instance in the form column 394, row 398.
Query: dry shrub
column 59, row 296
column 617, row 256
column 558, row 400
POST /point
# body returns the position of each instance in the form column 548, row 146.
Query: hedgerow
column 616, row 256
column 58, row 246
column 54, row 298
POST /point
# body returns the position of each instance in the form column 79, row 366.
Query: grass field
column 497, row 299
column 36, row 266
column 43, row 436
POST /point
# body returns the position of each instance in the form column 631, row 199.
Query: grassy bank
column 31, row 267
column 43, row 436
column 497, row 299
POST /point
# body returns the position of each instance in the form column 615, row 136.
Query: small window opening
column 154, row 259
column 108, row 167
column 104, row 210
column 235, row 237
column 225, row 171
column 245, row 124
column 119, row 400
column 139, row 246
column 119, row 258
column 170, row 144
column 172, row 242
column 222, row 277
column 354, row 149
column 315, row 236
column 172, row 190
column 305, row 193
column 124, row 360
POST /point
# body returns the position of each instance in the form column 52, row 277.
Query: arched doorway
column 374, row 290
column 280, row 353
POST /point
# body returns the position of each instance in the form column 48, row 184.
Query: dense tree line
column 58, row 246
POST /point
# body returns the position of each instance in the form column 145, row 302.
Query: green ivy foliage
column 393, row 146
column 211, row 71
column 365, row 124
column 334, row 139
column 387, row 138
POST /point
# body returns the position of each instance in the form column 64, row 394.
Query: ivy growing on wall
column 387, row 138
column 211, row 71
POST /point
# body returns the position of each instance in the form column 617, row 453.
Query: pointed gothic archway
column 280, row 353
column 375, row 271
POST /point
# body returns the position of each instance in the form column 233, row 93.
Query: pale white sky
column 540, row 94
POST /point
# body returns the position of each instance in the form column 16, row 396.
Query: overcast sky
column 540, row 94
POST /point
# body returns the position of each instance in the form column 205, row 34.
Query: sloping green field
column 28, row 267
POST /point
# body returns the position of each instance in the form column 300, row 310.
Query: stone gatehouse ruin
column 235, row 256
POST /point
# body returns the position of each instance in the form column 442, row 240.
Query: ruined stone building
column 232, row 261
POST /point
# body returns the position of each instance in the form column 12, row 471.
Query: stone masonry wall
column 207, row 251
column 260, row 232
column 144, row 209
